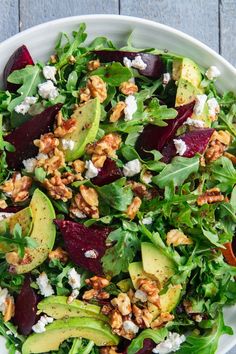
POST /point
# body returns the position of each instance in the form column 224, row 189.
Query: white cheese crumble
column 73, row 296
column 132, row 168
column 3, row 296
column 67, row 144
column 166, row 78
column 213, row 107
column 130, row 326
column 29, row 164
column 138, row 63
column 24, row 107
column 180, row 146
column 49, row 72
column 170, row 344
column 198, row 123
column 141, row 295
column 199, row 104
column 42, row 156
column 212, row 72
column 39, row 327
column 5, row 215
column 91, row 254
column 127, row 62
column 92, row 171
column 47, row 90
column 147, row 177
column 130, row 108
column 147, row 220
column 44, row 285
column 79, row 214
column 74, row 279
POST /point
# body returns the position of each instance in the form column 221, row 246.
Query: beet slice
column 26, row 308
column 22, row 138
column 12, row 209
column 148, row 346
column 18, row 60
column 79, row 239
column 155, row 138
column 195, row 140
column 155, row 66
column 109, row 173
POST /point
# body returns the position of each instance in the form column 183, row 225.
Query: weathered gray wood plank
column 198, row 18
column 33, row 12
column 9, row 21
column 228, row 30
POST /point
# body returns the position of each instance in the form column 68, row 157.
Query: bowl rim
column 123, row 18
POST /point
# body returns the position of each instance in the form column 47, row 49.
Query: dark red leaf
column 26, row 308
column 155, row 66
column 22, row 138
column 79, row 239
column 18, row 60
column 109, row 173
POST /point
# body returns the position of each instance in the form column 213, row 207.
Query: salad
column 117, row 201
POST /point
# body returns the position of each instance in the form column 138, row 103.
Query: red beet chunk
column 109, row 173
column 79, row 239
column 155, row 138
column 22, row 138
column 18, row 60
column 11, row 209
column 26, row 308
column 155, row 66
column 195, row 140
column 148, row 346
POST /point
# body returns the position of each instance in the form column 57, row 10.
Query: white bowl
column 41, row 39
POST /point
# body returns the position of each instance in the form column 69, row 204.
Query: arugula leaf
column 212, row 237
column 177, row 171
column 159, row 113
column 223, row 171
column 157, row 335
column 100, row 43
column 207, row 343
column 118, row 257
column 113, row 74
column 29, row 78
column 116, row 194
column 5, row 98
column 227, row 119
column 40, row 174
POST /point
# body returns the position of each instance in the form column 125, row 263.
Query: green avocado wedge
column 87, row 119
column 186, row 92
column 58, row 308
column 186, row 69
column 44, row 232
column 60, row 330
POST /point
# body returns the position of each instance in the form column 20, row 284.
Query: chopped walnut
column 64, row 126
column 231, row 157
column 90, row 294
column 78, row 166
column 143, row 317
column 109, row 350
column 71, row 59
column 117, row 112
column 98, row 160
column 53, row 163
column 12, row 258
column 46, row 143
column 162, row 319
column 89, row 195
column 210, row 196
column 3, row 204
column 68, row 178
column 188, row 306
column 222, row 136
column 97, row 283
column 84, row 94
column 150, row 287
column 57, row 189
column 176, row 237
column 214, row 151
column 140, row 190
column 80, row 205
column 116, row 320
column 17, row 188
column 107, row 145
column 59, row 254
column 53, row 59
column 106, row 309
column 97, row 88
column 93, row 64
column 133, row 208
column 10, row 308
column 122, row 302
column 128, row 88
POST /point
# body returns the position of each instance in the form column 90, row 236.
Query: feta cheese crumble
column 49, row 72
column 79, row 214
column 44, row 285
column 212, row 72
column 147, row 220
column 44, row 320
column 92, row 171
column 130, row 326
column 3, row 296
column 166, row 78
column 141, row 295
column 29, row 164
column 91, row 254
column 180, row 146
column 127, row 62
column 68, row 144
column 170, row 344
column 5, row 215
column 130, row 108
column 24, row 107
column 73, row 296
column 132, row 168
column 199, row 104
column 138, row 63
column 194, row 122
column 74, row 279
column 213, row 107
column 47, row 90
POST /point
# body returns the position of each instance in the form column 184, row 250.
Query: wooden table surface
column 211, row 21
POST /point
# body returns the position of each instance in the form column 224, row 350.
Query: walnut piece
column 128, row 88
column 97, row 88
column 10, row 308
column 64, row 126
column 78, row 166
column 98, row 160
column 143, row 317
column 133, row 208
column 115, row 320
column 17, row 188
column 214, row 151
column 231, row 157
column 107, row 146
column 89, row 195
column 150, row 287
column 223, row 136
column 3, row 204
column 47, row 143
column 86, row 202
column 176, row 237
column 53, row 163
column 84, row 94
column 97, row 282
column 122, row 302
column 93, row 64
column 210, row 196
column 117, row 111
column 162, row 319
column 57, row 189
column 59, row 254
column 109, row 350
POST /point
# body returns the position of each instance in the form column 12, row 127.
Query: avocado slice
column 58, row 308
column 44, row 231
column 125, row 285
column 60, row 330
column 136, row 272
column 156, row 263
column 188, row 70
column 87, row 123
column 186, row 92
column 24, row 218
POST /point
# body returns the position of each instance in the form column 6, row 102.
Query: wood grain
column 228, row 30
column 33, row 12
column 198, row 18
column 9, row 21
